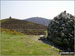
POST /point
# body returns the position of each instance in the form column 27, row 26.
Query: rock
column 42, row 37
column 61, row 31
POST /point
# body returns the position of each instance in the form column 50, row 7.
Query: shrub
column 14, row 32
column 61, row 31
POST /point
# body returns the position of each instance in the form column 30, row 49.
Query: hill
column 39, row 20
column 23, row 26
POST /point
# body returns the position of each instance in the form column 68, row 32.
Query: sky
column 27, row 9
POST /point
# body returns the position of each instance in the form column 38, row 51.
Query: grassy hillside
column 20, row 44
column 23, row 26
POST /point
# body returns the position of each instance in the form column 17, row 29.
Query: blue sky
column 26, row 9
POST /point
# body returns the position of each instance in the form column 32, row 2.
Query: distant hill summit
column 39, row 20
column 23, row 26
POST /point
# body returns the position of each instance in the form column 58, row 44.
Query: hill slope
column 22, row 26
column 39, row 20
column 27, row 45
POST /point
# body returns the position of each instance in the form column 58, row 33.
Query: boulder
column 42, row 37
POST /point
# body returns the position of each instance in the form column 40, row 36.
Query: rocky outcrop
column 61, row 31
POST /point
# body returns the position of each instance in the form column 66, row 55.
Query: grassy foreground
column 25, row 45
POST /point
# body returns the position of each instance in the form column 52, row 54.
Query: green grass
column 25, row 45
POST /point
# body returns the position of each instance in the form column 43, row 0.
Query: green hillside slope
column 25, row 45
column 23, row 26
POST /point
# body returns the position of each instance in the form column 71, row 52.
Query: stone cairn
column 61, row 31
